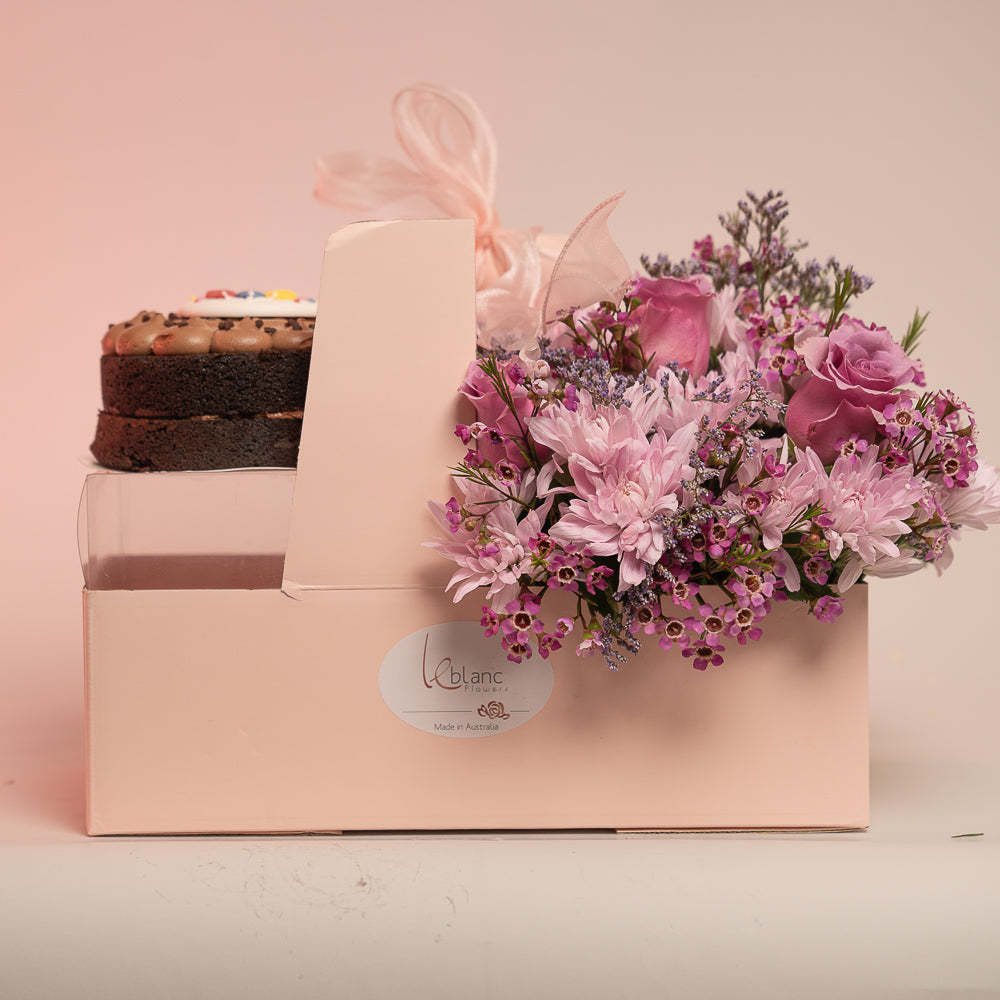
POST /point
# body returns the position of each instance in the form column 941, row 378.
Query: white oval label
column 449, row 680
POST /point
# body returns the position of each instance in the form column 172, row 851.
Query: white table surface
column 906, row 909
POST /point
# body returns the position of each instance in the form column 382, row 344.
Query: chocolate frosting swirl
column 151, row 332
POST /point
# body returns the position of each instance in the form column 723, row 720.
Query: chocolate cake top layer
column 198, row 384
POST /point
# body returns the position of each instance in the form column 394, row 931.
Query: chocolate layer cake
column 206, row 391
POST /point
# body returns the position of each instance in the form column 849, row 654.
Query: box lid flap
column 395, row 332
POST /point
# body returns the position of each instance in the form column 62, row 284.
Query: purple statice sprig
column 815, row 287
column 588, row 371
column 721, row 264
column 762, row 261
column 757, row 230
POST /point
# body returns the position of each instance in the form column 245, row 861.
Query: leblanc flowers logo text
column 448, row 680
column 445, row 673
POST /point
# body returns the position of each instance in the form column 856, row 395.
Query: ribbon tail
column 505, row 321
column 591, row 267
column 507, row 313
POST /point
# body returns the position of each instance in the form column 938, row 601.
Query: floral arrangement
column 716, row 435
column 727, row 423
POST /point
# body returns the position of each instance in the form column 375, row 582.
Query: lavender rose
column 854, row 373
column 674, row 321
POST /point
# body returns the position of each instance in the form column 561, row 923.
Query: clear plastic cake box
column 272, row 650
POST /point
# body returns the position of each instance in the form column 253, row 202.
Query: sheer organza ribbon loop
column 453, row 147
column 453, row 152
column 454, row 157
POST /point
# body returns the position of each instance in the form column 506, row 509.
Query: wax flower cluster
column 724, row 436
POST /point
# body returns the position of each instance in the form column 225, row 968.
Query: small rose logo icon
column 494, row 710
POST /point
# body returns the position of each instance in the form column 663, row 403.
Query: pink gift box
column 273, row 650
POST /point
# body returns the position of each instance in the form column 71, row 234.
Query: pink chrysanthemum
column 792, row 490
column 977, row 504
column 617, row 514
column 868, row 507
column 595, row 437
column 492, row 552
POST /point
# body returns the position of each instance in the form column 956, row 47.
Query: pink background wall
column 155, row 151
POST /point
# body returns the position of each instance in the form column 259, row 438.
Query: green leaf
column 914, row 331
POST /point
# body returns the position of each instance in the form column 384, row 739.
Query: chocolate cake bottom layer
column 134, row 444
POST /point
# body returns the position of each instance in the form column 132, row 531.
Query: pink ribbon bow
column 522, row 277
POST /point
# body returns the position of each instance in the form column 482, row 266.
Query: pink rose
column 854, row 373
column 478, row 388
column 494, row 412
column 674, row 321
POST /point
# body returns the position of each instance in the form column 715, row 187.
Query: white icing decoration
column 255, row 305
